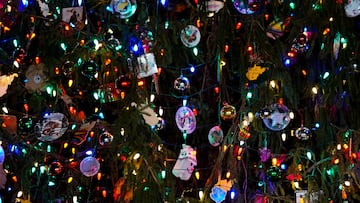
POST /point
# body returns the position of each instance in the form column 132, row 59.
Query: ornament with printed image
column 352, row 8
column 303, row 133
column 190, row 36
column 276, row 117
column 185, row 120
column 185, row 163
column 51, row 127
column 73, row 19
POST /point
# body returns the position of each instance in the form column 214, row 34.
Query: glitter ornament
column 181, row 83
column 215, row 136
column 303, row 133
column 89, row 166
column 276, row 117
column 228, row 112
column 185, row 120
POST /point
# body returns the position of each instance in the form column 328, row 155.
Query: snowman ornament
column 185, row 163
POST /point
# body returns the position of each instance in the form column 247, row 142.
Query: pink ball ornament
column 89, row 166
column 215, row 136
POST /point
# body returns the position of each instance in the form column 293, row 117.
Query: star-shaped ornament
column 278, row 118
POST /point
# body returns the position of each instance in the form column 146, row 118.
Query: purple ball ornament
column 89, row 166
column 185, row 120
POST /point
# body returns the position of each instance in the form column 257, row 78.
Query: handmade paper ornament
column 149, row 115
column 2, row 172
column 56, row 168
column 214, row 6
column 123, row 8
column 5, row 81
column 146, row 65
column 81, row 134
column 44, row 8
column 89, row 166
column 36, row 78
column 254, row 72
column 185, row 120
column 185, row 163
column 273, row 174
column 190, row 36
column 219, row 191
column 51, row 127
column 352, row 8
column 90, row 69
column 276, row 117
column 303, row 133
column 215, row 136
column 105, row 138
column 227, row 112
column 181, row 83
column 8, row 124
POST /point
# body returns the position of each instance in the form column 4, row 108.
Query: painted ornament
column 123, row 8
column 185, row 120
column 215, row 136
column 190, row 36
column 185, row 163
column 276, row 117
column 51, row 127
column 89, row 166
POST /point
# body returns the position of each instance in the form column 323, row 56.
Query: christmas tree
column 179, row 101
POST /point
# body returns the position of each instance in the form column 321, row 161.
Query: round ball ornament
column 181, row 83
column 215, row 136
column 276, row 117
column 56, row 168
column 190, row 36
column 274, row 174
column 185, row 120
column 51, row 127
column 228, row 112
column 105, row 138
column 124, row 8
column 90, row 70
column 303, row 133
column 89, row 166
